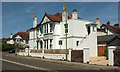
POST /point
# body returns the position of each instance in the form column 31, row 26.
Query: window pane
column 50, row 27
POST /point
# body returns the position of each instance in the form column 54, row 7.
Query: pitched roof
column 104, row 39
column 24, row 35
column 115, row 41
column 115, row 29
column 56, row 18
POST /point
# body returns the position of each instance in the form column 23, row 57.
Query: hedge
column 6, row 47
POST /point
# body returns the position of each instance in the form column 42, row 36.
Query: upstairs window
column 88, row 30
column 50, row 27
column 44, row 28
column 47, row 28
column 77, row 43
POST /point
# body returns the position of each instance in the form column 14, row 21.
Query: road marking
column 38, row 68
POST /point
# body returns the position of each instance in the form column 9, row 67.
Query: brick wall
column 36, row 51
column 77, row 55
column 51, row 51
column 56, row 51
column 20, row 50
column 117, row 57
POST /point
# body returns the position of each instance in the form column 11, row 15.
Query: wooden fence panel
column 77, row 55
column 101, row 50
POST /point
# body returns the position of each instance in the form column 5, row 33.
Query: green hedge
column 6, row 47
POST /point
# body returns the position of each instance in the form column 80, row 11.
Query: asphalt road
column 12, row 62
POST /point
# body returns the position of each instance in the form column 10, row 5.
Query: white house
column 50, row 32
column 20, row 37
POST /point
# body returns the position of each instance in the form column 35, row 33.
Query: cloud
column 30, row 9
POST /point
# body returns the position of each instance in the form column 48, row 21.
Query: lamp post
column 66, row 30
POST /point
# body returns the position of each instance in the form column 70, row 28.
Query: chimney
column 108, row 23
column 117, row 25
column 34, row 20
column 11, row 35
column 74, row 14
column 64, row 7
column 98, row 22
column 64, row 12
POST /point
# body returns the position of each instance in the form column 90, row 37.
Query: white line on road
column 38, row 68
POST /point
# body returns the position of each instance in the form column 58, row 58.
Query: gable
column 18, row 37
column 45, row 19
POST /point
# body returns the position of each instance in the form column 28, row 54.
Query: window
column 51, row 44
column 50, row 27
column 93, row 29
column 77, row 43
column 45, row 44
column 26, row 41
column 44, row 28
column 47, row 28
column 60, row 42
column 88, row 30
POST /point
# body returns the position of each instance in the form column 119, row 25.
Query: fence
column 73, row 55
column 77, row 55
column 51, row 53
column 102, row 50
column 117, row 57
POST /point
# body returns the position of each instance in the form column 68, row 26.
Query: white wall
column 77, row 30
column 32, row 40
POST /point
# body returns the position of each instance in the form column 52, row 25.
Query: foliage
column 6, row 47
column 105, row 53
column 20, row 46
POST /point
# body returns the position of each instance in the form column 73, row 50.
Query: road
column 12, row 62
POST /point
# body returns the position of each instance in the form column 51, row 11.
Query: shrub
column 6, row 47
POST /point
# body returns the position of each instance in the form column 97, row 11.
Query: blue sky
column 18, row 16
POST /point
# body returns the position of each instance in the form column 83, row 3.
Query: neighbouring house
column 102, row 43
column 106, row 33
column 20, row 37
column 107, row 29
column 50, row 33
column 114, row 41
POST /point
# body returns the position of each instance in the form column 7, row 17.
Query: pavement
column 12, row 62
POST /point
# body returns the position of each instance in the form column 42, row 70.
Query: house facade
column 50, row 32
column 20, row 37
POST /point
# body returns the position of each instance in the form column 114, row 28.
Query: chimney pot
column 108, row 23
column 116, row 25
column 74, row 14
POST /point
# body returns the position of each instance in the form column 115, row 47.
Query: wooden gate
column 101, row 50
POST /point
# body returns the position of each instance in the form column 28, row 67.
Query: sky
column 18, row 16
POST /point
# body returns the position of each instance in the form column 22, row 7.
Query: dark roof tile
column 24, row 35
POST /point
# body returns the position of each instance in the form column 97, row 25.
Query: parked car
column 12, row 51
